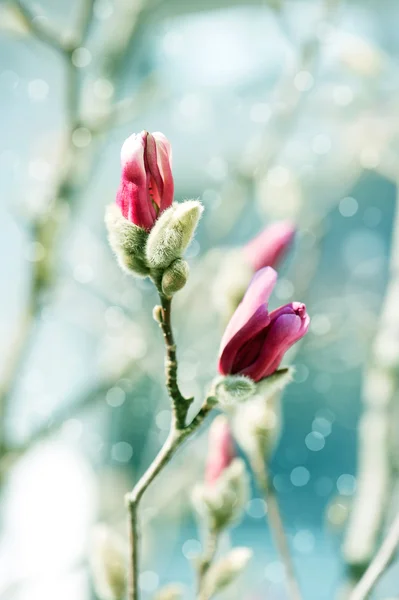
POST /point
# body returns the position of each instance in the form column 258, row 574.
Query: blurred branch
column 375, row 472
column 82, row 402
column 40, row 30
column 379, row 564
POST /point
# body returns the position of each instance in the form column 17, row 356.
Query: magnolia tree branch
column 379, row 564
column 206, row 560
column 72, row 180
column 179, row 432
column 262, row 477
column 379, row 397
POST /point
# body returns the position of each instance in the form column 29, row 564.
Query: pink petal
column 164, row 153
column 250, row 317
column 269, row 247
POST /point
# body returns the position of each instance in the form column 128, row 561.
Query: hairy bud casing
column 172, row 233
column 175, row 277
column 128, row 242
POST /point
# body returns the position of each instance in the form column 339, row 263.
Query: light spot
column 256, row 508
column 303, row 81
column 321, row 144
column 115, row 397
column 320, row 324
column 81, row 137
column 348, row 206
column 103, row 88
column 274, row 572
column 300, row 476
column 343, row 95
column 122, row 452
column 81, row 57
column 148, row 581
column 315, row 441
column 304, row 541
column 38, row 90
column 322, row 425
column 260, row 112
column 83, row 273
column 346, row 484
column 191, row 548
column 163, row 419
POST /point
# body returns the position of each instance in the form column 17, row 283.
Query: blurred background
column 275, row 110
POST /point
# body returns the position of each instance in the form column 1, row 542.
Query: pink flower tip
column 270, row 246
column 255, row 339
column 146, row 188
column 221, row 449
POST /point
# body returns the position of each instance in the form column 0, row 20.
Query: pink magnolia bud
column 146, row 187
column 220, row 450
column 269, row 247
column 255, row 340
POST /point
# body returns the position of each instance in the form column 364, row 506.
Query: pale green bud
column 226, row 570
column 257, row 425
column 108, row 561
column 222, row 503
column 174, row 278
column 172, row 233
column 233, row 388
column 128, row 241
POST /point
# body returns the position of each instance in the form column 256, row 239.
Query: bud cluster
column 148, row 232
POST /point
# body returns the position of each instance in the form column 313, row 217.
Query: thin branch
column 380, row 563
column 86, row 19
column 42, row 32
column 211, row 545
column 276, row 524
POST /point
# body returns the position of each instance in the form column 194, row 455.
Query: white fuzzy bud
column 232, row 389
column 257, row 425
column 175, row 277
column 128, row 242
column 226, row 570
column 222, row 502
column 173, row 591
column 108, row 561
column 172, row 233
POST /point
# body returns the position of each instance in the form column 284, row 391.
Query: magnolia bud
column 128, row 241
column 233, row 388
column 257, row 425
column 174, row 278
column 108, row 563
column 226, row 570
column 172, row 233
column 222, row 502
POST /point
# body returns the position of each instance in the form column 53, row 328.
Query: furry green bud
column 175, row 277
column 222, row 503
column 233, row 388
column 128, row 241
column 226, row 570
column 108, row 561
column 172, row 233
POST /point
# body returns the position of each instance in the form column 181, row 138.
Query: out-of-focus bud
column 172, row 233
column 146, row 187
column 222, row 503
column 359, row 55
column 238, row 266
column 175, row 277
column 257, row 426
column 221, row 450
column 108, row 561
column 255, row 340
column 127, row 241
column 174, row 591
column 233, row 389
column 226, row 570
column 270, row 246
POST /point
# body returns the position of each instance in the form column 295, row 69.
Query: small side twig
column 379, row 564
column 276, row 524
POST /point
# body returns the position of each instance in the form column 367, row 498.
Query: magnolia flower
column 221, row 450
column 255, row 340
column 146, row 187
column 269, row 247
